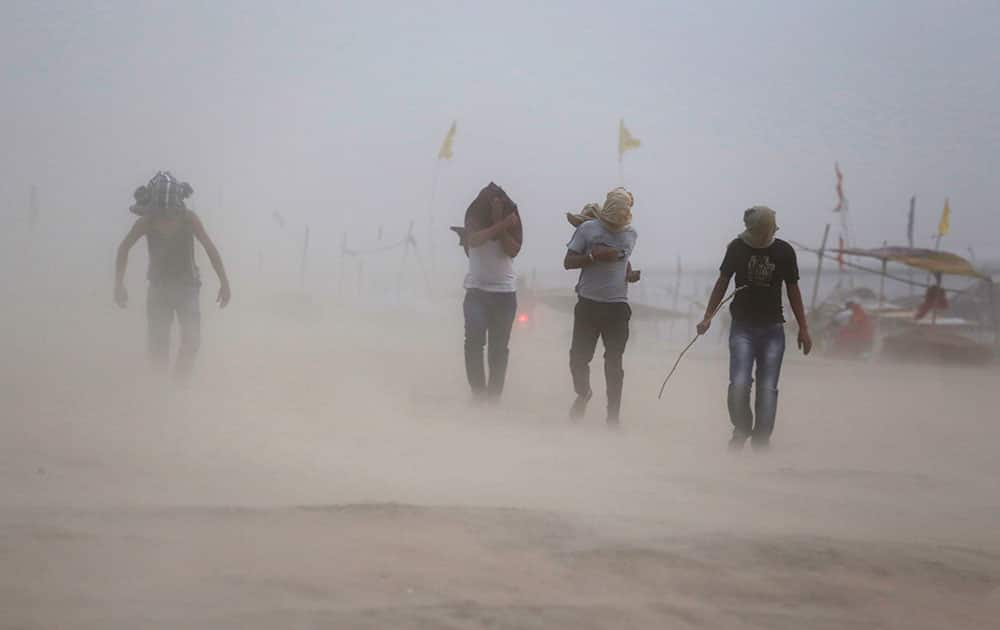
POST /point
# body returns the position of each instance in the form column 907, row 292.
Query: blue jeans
column 488, row 316
column 763, row 346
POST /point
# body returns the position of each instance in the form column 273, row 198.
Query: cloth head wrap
column 760, row 227
column 479, row 215
column 162, row 191
column 617, row 209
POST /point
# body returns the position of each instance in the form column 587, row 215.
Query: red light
column 522, row 318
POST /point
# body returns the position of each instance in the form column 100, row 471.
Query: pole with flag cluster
column 626, row 142
column 910, row 224
column 844, row 238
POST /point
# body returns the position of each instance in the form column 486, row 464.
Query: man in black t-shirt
column 760, row 264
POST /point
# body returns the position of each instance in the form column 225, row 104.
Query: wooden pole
column 993, row 315
column 881, row 287
column 910, row 227
column 677, row 296
column 402, row 263
column 819, row 267
column 937, row 278
column 431, row 252
column 621, row 170
column 881, row 281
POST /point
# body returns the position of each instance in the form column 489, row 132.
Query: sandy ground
column 326, row 470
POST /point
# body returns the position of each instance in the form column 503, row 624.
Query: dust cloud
column 325, row 465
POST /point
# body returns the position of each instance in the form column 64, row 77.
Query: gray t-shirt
column 603, row 281
column 490, row 269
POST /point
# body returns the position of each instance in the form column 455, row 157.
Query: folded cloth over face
column 761, row 227
column 616, row 213
column 479, row 215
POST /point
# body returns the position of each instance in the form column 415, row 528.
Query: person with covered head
column 760, row 263
column 492, row 237
column 601, row 248
column 170, row 229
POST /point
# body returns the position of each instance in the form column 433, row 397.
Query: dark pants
column 488, row 317
column 763, row 347
column 609, row 321
column 163, row 303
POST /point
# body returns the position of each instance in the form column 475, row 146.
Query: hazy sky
column 333, row 113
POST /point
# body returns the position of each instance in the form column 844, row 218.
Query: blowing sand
column 325, row 470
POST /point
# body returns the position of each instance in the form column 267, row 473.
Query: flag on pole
column 944, row 225
column 910, row 220
column 446, row 149
column 841, row 200
column 626, row 141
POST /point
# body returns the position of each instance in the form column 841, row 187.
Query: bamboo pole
column 431, row 252
column 402, row 263
column 993, row 315
column 870, row 270
column 937, row 277
column 677, row 296
column 881, row 287
column 819, row 267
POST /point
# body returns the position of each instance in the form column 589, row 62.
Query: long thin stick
column 688, row 347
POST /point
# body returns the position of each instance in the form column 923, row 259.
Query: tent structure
column 936, row 262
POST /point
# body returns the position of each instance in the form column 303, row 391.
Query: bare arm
column 576, row 261
column 213, row 255
column 598, row 253
column 121, row 260
column 510, row 244
column 478, row 236
column 799, row 310
column 632, row 275
column 714, row 300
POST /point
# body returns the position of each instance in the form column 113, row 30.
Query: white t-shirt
column 490, row 269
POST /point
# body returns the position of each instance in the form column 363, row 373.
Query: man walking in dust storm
column 761, row 263
column 601, row 248
column 492, row 237
column 174, row 282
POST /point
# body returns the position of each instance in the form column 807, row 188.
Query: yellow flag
column 944, row 225
column 445, row 153
column 626, row 140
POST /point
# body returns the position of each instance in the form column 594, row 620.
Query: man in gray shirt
column 601, row 249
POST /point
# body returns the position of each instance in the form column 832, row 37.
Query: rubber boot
column 766, row 408
column 740, row 415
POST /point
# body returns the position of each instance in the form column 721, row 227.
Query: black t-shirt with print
column 761, row 271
